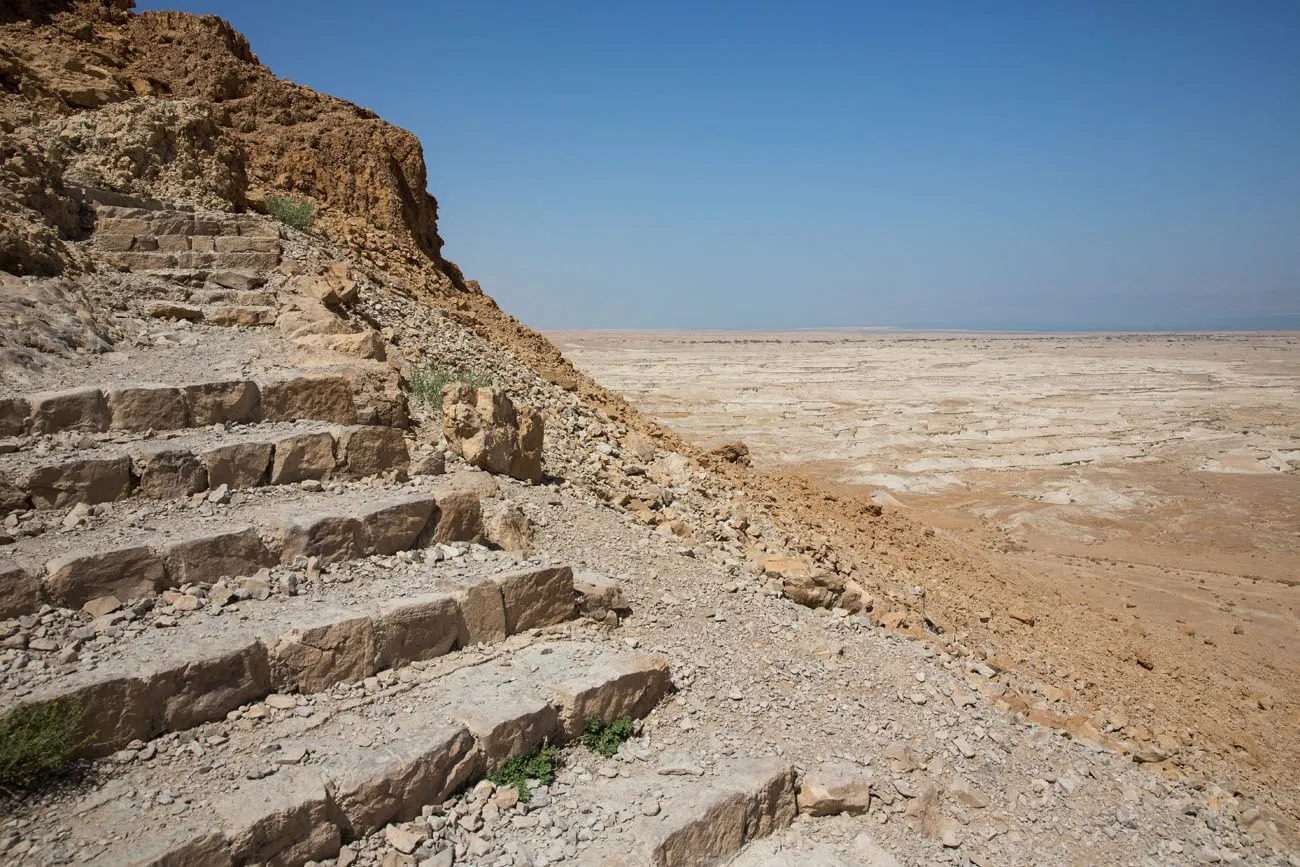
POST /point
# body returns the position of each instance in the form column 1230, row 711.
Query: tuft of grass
column 298, row 213
column 38, row 741
column 427, row 382
column 539, row 765
column 605, row 738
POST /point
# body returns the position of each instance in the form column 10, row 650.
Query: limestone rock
column 803, row 582
column 167, row 472
column 509, row 528
column 365, row 344
column 485, row 427
column 235, row 401
column 146, row 407
column 536, row 597
column 302, row 456
column 238, row 465
column 323, row 398
column 206, row 558
column 460, row 517
column 732, row 453
column 75, row 409
column 20, row 592
column 127, row 573
column 313, row 658
column 372, row 450
column 598, row 595
column 93, row 480
column 835, row 788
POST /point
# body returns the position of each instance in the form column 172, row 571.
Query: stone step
column 198, row 669
column 224, row 315
column 135, row 558
column 132, row 407
column 347, row 764
column 784, row 848
column 217, row 294
column 180, row 466
column 154, row 240
column 697, row 820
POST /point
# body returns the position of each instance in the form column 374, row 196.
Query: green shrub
column 427, row 382
column 292, row 212
column 38, row 741
column 605, row 739
column 539, row 765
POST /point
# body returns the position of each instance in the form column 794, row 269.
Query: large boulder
column 490, row 432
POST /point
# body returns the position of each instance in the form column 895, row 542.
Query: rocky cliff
column 176, row 106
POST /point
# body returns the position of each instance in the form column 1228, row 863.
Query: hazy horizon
column 1024, row 166
column 891, row 329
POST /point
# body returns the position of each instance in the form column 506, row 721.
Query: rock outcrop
column 174, row 106
column 484, row 426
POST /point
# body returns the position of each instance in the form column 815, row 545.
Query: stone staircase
column 169, row 237
column 287, row 780
column 180, row 466
column 279, row 642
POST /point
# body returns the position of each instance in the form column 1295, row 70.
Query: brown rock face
column 484, row 426
column 177, row 106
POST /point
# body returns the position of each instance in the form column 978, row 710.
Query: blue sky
column 998, row 164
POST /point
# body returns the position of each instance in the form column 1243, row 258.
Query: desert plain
column 1152, row 481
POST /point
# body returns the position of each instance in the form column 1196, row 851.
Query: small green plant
column 538, row 765
column 292, row 212
column 605, row 738
column 37, row 741
column 427, row 382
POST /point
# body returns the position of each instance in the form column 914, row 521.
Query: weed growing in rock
column 38, row 741
column 605, row 738
column 298, row 214
column 427, row 382
column 539, row 765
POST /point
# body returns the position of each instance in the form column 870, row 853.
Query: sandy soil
column 1152, row 479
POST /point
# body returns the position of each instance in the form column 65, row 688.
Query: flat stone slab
column 699, row 820
column 287, row 395
column 178, row 466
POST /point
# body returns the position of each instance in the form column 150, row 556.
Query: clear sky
column 999, row 164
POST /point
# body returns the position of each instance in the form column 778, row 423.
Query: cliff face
column 177, row 106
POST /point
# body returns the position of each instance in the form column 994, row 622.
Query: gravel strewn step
column 144, row 690
column 694, row 821
column 289, row 396
column 135, row 560
column 93, row 472
column 347, row 766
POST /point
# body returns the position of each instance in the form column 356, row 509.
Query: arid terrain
column 313, row 555
column 1153, row 478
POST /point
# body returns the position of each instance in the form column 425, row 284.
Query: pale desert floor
column 1155, row 477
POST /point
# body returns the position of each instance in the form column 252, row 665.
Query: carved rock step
column 130, row 407
column 186, row 465
column 142, row 239
column 176, row 679
column 132, row 562
column 225, row 315
column 699, row 821
column 368, row 762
